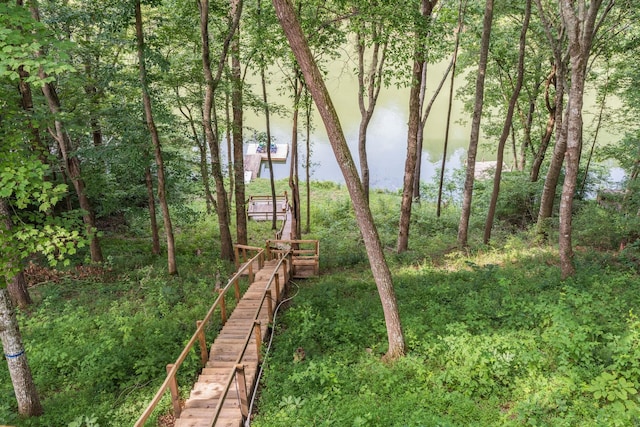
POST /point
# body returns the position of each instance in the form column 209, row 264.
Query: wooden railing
column 171, row 381
column 304, row 253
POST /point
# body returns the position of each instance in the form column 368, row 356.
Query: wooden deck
column 260, row 208
column 228, row 352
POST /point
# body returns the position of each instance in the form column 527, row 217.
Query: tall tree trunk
column 226, row 245
column 157, row 150
column 26, row 102
column 91, row 91
column 508, row 122
column 73, row 171
column 153, row 217
column 17, row 364
column 463, row 228
column 267, row 117
column 527, row 124
column 426, row 8
column 381, row 273
column 553, row 173
column 420, row 136
column 72, row 163
column 581, row 29
column 238, row 148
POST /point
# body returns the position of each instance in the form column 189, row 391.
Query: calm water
column 387, row 134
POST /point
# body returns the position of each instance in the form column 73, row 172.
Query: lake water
column 387, row 134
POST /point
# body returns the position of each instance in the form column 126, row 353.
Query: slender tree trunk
column 269, row 161
column 14, row 353
column 202, row 149
column 92, row 94
column 423, row 122
column 267, row 117
column 381, row 273
column 508, row 121
column 420, row 136
column 547, row 199
column 26, row 102
column 451, row 87
column 546, row 138
column 153, row 217
column 226, row 245
column 238, row 151
column 227, row 131
column 371, row 85
column 73, row 171
column 294, row 181
column 463, row 228
column 157, row 150
column 446, row 145
column 527, row 124
column 307, row 164
column 595, row 138
column 426, row 8
column 553, row 173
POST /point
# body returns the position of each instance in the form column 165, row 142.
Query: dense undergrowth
column 494, row 337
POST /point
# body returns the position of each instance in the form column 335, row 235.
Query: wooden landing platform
column 199, row 410
column 260, row 208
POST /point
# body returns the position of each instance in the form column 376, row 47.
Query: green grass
column 494, row 337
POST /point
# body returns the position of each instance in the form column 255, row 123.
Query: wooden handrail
column 171, row 372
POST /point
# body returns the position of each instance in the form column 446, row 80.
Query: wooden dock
column 253, row 160
column 252, row 163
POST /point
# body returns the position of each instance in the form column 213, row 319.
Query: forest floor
column 494, row 337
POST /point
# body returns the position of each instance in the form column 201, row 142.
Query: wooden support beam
column 204, row 355
column 258, row 334
column 242, row 391
column 223, row 310
column 175, row 395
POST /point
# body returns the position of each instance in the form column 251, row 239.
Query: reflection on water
column 386, row 149
column 386, row 165
column 387, row 134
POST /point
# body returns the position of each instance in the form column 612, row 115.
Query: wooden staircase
column 235, row 348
